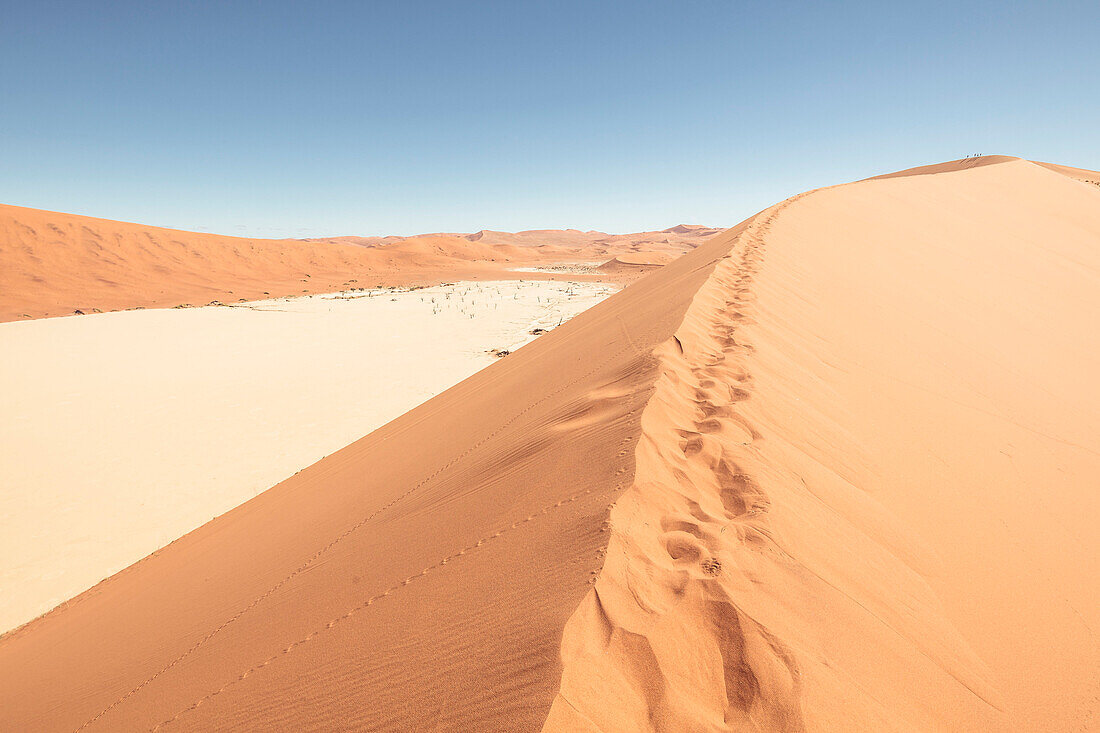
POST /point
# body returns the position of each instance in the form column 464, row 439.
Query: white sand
column 123, row 431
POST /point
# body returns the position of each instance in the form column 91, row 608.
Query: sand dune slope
column 865, row 494
column 417, row 580
column 54, row 264
column 834, row 469
column 950, row 166
column 1078, row 174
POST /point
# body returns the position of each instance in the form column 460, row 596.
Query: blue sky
column 306, row 119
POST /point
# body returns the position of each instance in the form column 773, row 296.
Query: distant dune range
column 54, row 264
column 833, row 469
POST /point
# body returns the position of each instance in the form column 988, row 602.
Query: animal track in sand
column 333, row 622
column 696, row 510
column 669, row 524
column 709, row 409
column 682, row 546
column 711, row 566
column 740, row 494
column 737, row 394
column 705, row 449
column 709, row 425
column 692, row 446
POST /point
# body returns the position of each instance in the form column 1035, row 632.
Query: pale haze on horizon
column 289, row 120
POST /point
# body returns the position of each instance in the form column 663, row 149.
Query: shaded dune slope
column 948, row 167
column 1079, row 174
column 832, row 470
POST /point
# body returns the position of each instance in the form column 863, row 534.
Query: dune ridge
column 950, row 166
column 1079, row 174
column 620, row 674
column 749, row 571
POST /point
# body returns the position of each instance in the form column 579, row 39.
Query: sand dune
column 636, row 260
column 57, row 264
column 864, row 494
column 834, row 469
column 676, row 237
column 948, row 167
column 1079, row 174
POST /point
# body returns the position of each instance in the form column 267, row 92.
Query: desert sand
column 60, row 264
column 833, row 469
column 864, row 496
column 173, row 416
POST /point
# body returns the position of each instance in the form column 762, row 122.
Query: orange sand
column 56, row 264
column 834, row 469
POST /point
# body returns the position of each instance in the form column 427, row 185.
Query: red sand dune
column 636, row 260
column 54, row 264
column 834, row 469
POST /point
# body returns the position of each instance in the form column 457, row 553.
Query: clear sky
column 324, row 118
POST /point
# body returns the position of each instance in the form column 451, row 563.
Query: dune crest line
column 670, row 532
